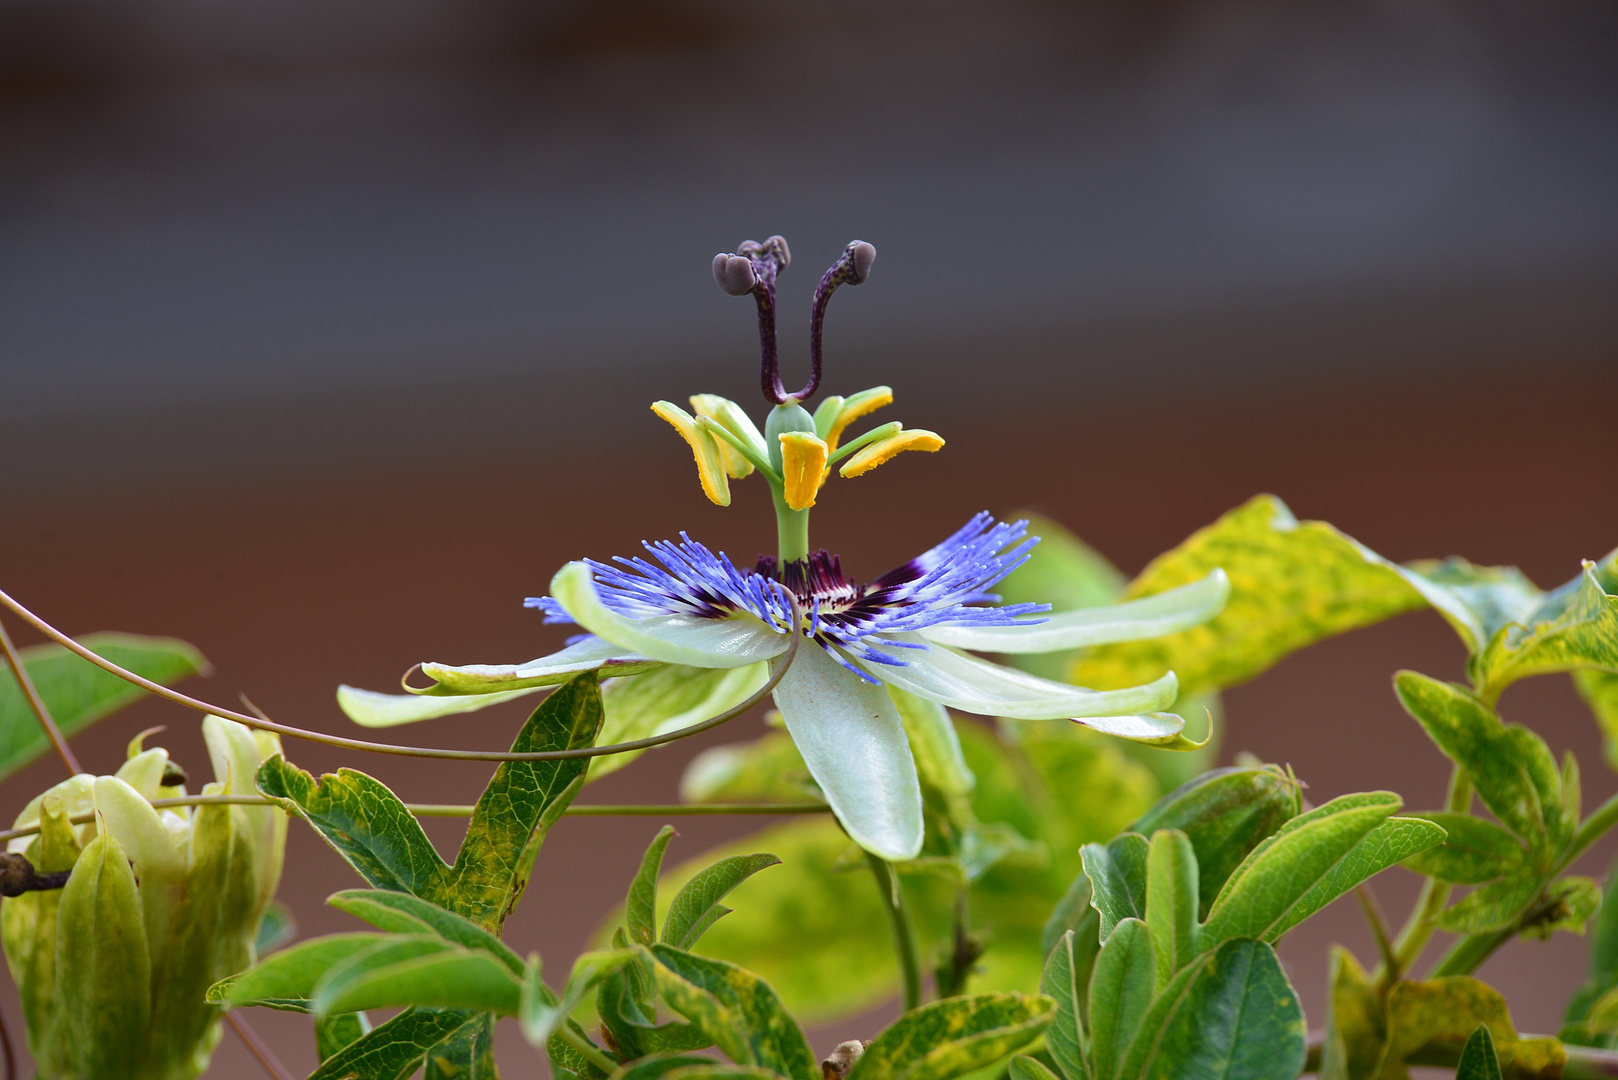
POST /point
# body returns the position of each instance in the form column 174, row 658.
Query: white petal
column 590, row 654
column 854, row 744
column 371, row 709
column 1153, row 729
column 1166, row 613
column 675, row 639
column 977, row 686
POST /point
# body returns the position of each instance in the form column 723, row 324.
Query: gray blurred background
column 327, row 331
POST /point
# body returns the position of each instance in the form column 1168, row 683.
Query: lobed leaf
column 396, row 1049
column 736, row 1009
column 1575, row 626
column 406, row 914
column 1430, row 1022
column 1600, row 691
column 948, row 1038
column 1356, row 1030
column 466, row 1055
column 77, row 692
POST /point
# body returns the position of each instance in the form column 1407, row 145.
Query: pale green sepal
column 591, row 654
column 978, row 686
column 102, row 968
column 1154, row 616
column 1163, row 731
column 159, row 863
column 144, row 771
column 934, row 743
column 675, row 639
column 854, row 744
column 71, row 797
column 368, row 708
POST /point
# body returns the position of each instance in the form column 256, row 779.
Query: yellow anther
column 729, row 415
column 803, row 467
column 883, row 449
column 861, row 404
column 704, row 447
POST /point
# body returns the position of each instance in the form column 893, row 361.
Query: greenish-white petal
column 372, row 709
column 591, row 654
column 977, row 686
column 734, row 641
column 854, row 743
column 1154, row 616
column 1155, row 729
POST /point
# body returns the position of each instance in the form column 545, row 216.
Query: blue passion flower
column 901, row 643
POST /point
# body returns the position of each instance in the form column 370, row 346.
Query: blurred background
column 327, row 333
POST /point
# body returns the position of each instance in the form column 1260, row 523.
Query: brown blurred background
column 327, row 333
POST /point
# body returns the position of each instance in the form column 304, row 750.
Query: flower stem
column 904, row 939
column 36, row 703
column 1603, row 818
column 791, row 530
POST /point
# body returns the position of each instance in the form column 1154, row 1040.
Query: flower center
column 819, row 578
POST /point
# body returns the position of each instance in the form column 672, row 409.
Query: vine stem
column 904, row 939
column 265, row 724
column 587, row 1049
column 37, row 703
column 258, row 1047
column 465, row 810
column 1418, row 930
column 5, row 1047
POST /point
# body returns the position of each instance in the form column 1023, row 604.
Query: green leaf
column 666, row 699
column 1171, row 902
column 937, row 749
column 1603, row 953
column 1492, row 907
column 1600, row 691
column 1072, row 912
column 447, row 978
column 735, row 1008
column 287, row 979
column 1312, row 860
column 396, row 1049
column 541, row 1017
column 1478, row 1059
column 1356, row 1031
column 77, row 692
column 1477, row 601
column 696, row 906
column 1121, row 992
column 1026, row 1068
column 722, row 1072
column 363, row 821
column 406, row 914
column 1117, row 875
column 1473, row 851
column 1231, row 1015
column 1568, row 904
column 1065, row 1038
column 276, row 927
column 659, row 1066
column 333, row 1033
column 949, row 1038
column 1292, row 584
column 1226, row 813
column 1575, row 626
column 640, row 909
column 1430, row 1022
column 1511, row 767
column 519, row 805
column 466, row 1055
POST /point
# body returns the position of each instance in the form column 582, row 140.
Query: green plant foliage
column 1291, row 584
column 541, row 1016
column 406, row 914
column 1122, row 989
column 1430, row 1022
column 287, row 979
column 396, row 1049
column 275, row 928
column 736, row 1009
column 427, row 971
column 1117, row 873
column 1356, row 1030
column 668, row 698
column 1065, row 982
column 1232, row 1014
column 768, row 770
column 77, row 692
column 1600, row 691
column 1064, row 572
column 1473, row 851
column 1023, row 1067
column 1171, row 902
column 1575, row 626
column 334, row 1032
column 952, row 1037
column 1592, row 1013
column 640, row 909
column 1478, row 1059
column 1225, row 813
column 1309, row 862
column 696, row 906
column 1568, row 904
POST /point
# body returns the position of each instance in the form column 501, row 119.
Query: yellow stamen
column 861, row 404
column 728, row 415
column 803, row 467
column 883, row 449
column 704, row 447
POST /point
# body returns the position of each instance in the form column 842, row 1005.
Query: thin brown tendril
column 258, row 1047
column 264, row 724
column 36, row 703
column 464, row 810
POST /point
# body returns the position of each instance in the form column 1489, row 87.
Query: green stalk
column 904, row 939
column 1604, row 818
column 792, row 530
column 586, row 1049
column 1418, row 930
